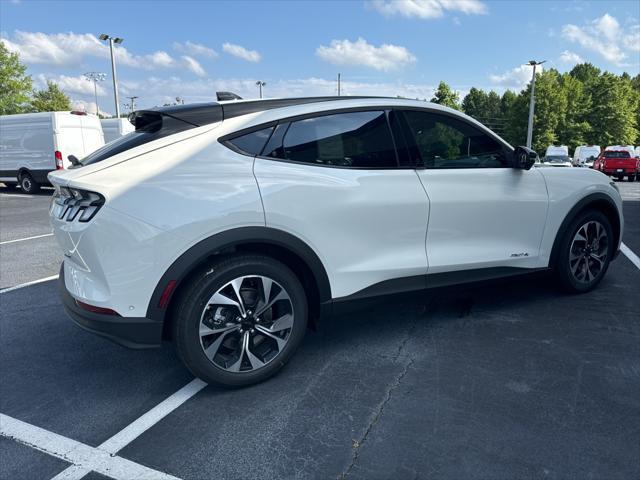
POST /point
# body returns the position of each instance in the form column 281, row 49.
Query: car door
column 334, row 181
column 483, row 213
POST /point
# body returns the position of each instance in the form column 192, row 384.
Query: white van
column 114, row 128
column 584, row 155
column 624, row 148
column 33, row 144
column 556, row 156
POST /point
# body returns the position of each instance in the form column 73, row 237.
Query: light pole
column 96, row 77
column 132, row 105
column 113, row 40
column 532, row 101
column 338, row 84
column 260, row 84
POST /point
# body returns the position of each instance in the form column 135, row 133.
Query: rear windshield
column 165, row 126
column 615, row 154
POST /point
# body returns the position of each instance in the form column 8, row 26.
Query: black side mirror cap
column 524, row 158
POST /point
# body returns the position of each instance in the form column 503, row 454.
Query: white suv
column 229, row 227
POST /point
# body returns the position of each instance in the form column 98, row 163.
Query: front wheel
column 585, row 252
column 240, row 320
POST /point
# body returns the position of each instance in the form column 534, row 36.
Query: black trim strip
column 436, row 280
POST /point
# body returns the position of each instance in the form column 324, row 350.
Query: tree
column 585, row 72
column 574, row 129
column 474, row 103
column 15, row 85
column 613, row 114
column 447, row 97
column 50, row 100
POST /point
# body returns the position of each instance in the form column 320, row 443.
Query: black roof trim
column 199, row 114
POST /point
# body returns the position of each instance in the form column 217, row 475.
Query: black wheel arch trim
column 592, row 198
column 218, row 243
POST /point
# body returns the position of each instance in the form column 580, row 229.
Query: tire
column 234, row 350
column 581, row 265
column 28, row 184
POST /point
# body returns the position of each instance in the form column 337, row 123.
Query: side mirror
column 524, row 158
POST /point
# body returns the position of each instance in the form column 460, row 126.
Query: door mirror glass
column 524, row 158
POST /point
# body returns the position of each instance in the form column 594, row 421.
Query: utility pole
column 95, row 77
column 132, row 104
column 338, row 84
column 260, row 84
column 532, row 102
column 113, row 40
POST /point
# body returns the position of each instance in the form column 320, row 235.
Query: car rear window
column 616, row 154
column 250, row 143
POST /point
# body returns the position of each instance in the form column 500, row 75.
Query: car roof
column 257, row 112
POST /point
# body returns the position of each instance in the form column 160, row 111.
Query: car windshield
column 617, row 154
column 556, row 158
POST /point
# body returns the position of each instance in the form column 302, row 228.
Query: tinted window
column 158, row 126
column 439, row 141
column 350, row 139
column 616, row 154
column 251, row 143
column 274, row 147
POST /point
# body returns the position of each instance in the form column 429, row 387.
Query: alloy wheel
column 588, row 252
column 246, row 324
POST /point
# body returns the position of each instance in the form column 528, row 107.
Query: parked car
column 556, row 156
column 34, row 144
column 227, row 228
column 585, row 155
column 618, row 163
column 114, row 128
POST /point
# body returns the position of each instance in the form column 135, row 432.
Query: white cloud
column 70, row 85
column 360, row 53
column 516, row 78
column 241, row 52
column 192, row 65
column 427, row 9
column 195, row 49
column 72, row 49
column 160, row 59
column 605, row 37
column 570, row 57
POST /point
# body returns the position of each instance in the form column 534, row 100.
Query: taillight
column 71, row 203
column 59, row 163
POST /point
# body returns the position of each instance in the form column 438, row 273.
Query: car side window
column 251, row 143
column 439, row 141
column 349, row 139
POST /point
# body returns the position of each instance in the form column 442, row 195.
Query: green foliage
column 447, row 97
column 52, row 99
column 15, row 85
column 584, row 106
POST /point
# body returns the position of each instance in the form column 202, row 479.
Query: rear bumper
column 131, row 332
column 614, row 171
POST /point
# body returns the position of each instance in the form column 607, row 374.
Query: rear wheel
column 585, row 252
column 240, row 320
column 28, row 184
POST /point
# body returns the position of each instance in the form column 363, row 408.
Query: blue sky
column 193, row 48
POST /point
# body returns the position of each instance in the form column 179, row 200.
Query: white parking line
column 630, row 255
column 75, row 452
column 27, row 238
column 128, row 434
column 16, row 195
column 34, row 282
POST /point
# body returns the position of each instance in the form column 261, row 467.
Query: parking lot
column 505, row 380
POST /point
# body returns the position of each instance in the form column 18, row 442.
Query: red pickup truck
column 618, row 163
